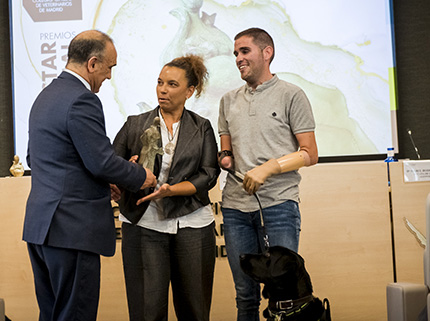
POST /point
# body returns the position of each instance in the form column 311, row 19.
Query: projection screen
column 340, row 52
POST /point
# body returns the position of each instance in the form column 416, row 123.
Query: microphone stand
column 388, row 160
column 413, row 144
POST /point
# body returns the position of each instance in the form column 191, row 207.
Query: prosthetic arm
column 257, row 176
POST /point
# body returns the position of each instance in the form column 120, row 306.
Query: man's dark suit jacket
column 195, row 160
column 72, row 163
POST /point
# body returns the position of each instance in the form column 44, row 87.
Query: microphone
column 413, row 144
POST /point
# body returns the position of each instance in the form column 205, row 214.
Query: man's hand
column 162, row 192
column 115, row 192
column 258, row 175
column 133, row 159
column 151, row 180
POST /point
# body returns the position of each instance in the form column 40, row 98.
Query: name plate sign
column 416, row 171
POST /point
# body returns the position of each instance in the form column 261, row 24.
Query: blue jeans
column 244, row 233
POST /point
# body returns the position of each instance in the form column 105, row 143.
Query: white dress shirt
column 151, row 219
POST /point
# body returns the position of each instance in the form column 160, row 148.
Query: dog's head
column 281, row 270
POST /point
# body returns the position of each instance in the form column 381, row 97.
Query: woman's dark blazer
column 195, row 160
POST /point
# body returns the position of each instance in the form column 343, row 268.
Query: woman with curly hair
column 168, row 232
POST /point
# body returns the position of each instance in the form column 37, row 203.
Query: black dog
column 287, row 285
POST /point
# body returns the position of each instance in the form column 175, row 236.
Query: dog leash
column 241, row 177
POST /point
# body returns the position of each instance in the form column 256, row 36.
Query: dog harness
column 287, row 308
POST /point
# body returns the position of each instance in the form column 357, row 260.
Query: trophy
column 150, row 145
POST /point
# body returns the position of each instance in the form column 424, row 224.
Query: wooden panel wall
column 345, row 237
column 409, row 201
column 345, row 242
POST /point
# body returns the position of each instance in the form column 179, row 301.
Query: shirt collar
column 86, row 83
column 262, row 86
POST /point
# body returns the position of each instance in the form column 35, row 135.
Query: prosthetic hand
column 258, row 175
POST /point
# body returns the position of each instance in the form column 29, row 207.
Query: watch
column 225, row 153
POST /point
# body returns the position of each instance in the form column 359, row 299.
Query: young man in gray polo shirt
column 267, row 133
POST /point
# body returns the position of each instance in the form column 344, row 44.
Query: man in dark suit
column 69, row 221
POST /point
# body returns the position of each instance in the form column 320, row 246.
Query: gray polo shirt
column 262, row 124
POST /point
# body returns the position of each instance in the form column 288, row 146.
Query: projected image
column 339, row 52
